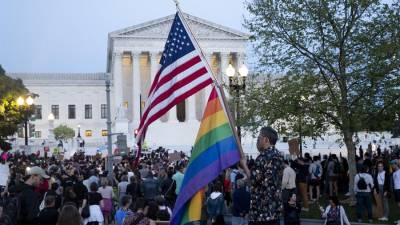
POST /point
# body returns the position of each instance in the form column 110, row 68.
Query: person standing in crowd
column 164, row 212
column 178, row 177
column 216, row 205
column 107, row 193
column 94, row 200
column 122, row 186
column 80, row 190
column 241, row 203
column 124, row 210
column 334, row 213
column 291, row 211
column 301, row 178
column 315, row 171
column 140, row 214
column 150, row 187
column 363, row 185
column 133, row 188
column 266, row 177
column 69, row 216
column 49, row 215
column 288, row 181
column 28, row 198
column 396, row 183
column 382, row 187
column 333, row 173
column 168, row 189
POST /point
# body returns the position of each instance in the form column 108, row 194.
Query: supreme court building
column 132, row 61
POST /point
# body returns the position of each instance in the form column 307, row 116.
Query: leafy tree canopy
column 63, row 132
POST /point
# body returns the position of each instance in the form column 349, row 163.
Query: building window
column 103, row 111
column 88, row 111
column 38, row 112
column 71, row 112
column 88, row 133
column 38, row 134
column 55, row 110
column 104, row 133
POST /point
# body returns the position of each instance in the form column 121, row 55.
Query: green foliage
column 347, row 52
column 63, row 132
column 10, row 113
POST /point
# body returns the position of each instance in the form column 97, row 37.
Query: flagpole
column 216, row 83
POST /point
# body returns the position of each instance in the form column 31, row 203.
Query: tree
column 11, row 115
column 350, row 47
column 63, row 132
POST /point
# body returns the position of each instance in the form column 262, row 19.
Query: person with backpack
column 363, row 186
column 315, row 171
column 216, row 205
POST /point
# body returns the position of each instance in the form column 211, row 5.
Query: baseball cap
column 393, row 162
column 35, row 170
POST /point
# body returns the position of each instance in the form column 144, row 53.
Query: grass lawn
column 314, row 213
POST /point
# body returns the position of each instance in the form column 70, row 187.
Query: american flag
column 182, row 73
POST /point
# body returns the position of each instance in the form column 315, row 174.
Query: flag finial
column 176, row 3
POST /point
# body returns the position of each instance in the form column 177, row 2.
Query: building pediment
column 159, row 29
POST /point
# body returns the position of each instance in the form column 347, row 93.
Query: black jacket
column 241, row 202
column 48, row 216
column 29, row 204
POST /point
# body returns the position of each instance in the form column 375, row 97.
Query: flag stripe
column 211, row 122
column 213, row 170
column 215, row 149
column 209, row 155
column 163, row 107
column 182, row 73
column 185, row 78
column 212, row 137
column 166, row 76
column 209, row 111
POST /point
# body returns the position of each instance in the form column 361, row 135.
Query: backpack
column 336, row 168
column 361, row 184
column 317, row 171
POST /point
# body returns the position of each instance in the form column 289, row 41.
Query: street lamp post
column 109, row 141
column 302, row 100
column 25, row 102
column 237, row 83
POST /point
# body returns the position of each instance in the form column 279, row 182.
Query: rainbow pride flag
column 215, row 149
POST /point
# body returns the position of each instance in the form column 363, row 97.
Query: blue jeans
column 364, row 199
column 239, row 221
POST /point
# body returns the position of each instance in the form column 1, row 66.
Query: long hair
column 69, row 216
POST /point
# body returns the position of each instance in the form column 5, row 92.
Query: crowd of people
column 51, row 191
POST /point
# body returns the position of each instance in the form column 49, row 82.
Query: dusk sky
column 71, row 35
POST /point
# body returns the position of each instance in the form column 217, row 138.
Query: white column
column 153, row 65
column 172, row 115
column 224, row 64
column 117, row 80
column 240, row 56
column 136, row 87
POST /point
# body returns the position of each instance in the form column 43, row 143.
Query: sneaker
column 305, row 209
column 383, row 219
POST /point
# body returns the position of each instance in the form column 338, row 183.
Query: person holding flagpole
column 266, row 176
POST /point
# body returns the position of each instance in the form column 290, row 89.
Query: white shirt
column 396, row 179
column 368, row 179
column 381, row 178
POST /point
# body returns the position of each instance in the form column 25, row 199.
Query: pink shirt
column 106, row 192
